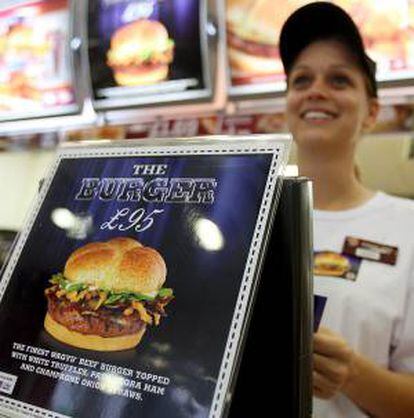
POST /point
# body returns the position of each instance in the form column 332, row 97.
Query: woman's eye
column 340, row 81
column 300, row 81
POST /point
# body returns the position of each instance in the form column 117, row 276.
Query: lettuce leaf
column 112, row 297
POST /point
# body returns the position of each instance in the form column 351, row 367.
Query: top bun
column 259, row 21
column 120, row 264
column 136, row 39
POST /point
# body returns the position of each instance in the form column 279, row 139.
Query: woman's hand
column 332, row 363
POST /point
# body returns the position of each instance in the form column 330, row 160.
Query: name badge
column 370, row 250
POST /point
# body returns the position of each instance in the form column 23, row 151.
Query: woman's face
column 327, row 100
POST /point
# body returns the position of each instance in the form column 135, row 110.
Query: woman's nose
column 317, row 90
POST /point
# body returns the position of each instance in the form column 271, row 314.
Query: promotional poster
column 35, row 69
column 127, row 292
column 142, row 48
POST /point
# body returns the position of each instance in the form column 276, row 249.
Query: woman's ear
column 373, row 110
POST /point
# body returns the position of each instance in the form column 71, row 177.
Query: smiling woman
column 364, row 351
column 327, row 97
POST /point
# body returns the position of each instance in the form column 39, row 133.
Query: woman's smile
column 318, row 116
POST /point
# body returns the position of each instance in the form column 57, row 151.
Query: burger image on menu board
column 327, row 263
column 22, row 48
column 253, row 28
column 26, row 40
column 107, row 295
column 140, row 53
column 384, row 29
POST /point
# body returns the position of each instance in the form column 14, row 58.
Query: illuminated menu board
column 35, row 66
column 146, row 51
column 253, row 29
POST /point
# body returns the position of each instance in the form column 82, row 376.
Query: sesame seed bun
column 120, row 264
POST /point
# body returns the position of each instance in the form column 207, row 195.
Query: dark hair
column 324, row 21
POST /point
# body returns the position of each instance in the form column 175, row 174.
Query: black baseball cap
column 318, row 21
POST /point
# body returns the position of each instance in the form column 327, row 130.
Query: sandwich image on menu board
column 35, row 70
column 253, row 28
column 140, row 53
column 23, row 50
column 107, row 295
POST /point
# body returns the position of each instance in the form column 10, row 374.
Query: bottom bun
column 134, row 77
column 89, row 341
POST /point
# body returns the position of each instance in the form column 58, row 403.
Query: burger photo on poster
column 140, row 53
column 253, row 28
column 327, row 263
column 107, row 295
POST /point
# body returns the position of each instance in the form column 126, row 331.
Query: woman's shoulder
column 395, row 212
column 396, row 202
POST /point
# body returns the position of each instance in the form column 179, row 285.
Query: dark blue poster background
column 188, row 345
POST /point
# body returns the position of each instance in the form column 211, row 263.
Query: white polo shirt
column 374, row 313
